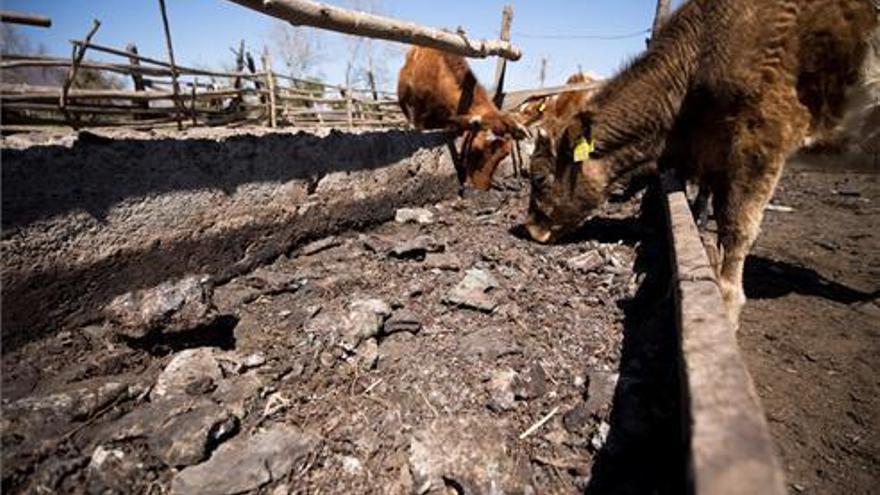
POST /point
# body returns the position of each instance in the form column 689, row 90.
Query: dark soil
column 811, row 328
column 593, row 347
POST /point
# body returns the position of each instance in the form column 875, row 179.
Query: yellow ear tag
column 582, row 149
column 542, row 107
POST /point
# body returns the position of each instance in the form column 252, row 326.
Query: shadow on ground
column 645, row 450
column 766, row 278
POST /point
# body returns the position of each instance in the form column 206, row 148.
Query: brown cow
column 726, row 92
column 437, row 90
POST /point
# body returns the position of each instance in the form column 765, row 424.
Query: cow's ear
column 579, row 137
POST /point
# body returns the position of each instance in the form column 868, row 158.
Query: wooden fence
column 205, row 97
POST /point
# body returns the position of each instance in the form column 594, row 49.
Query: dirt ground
column 442, row 353
column 811, row 328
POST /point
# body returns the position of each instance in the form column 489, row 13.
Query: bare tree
column 367, row 56
column 298, row 48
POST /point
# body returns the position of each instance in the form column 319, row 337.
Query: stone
column 236, row 392
column 351, row 464
column 531, row 384
column 471, row 291
column 423, row 216
column 576, row 419
column 488, row 344
column 442, row 261
column 600, row 391
column 469, row 452
column 247, row 464
column 186, row 367
column 170, row 307
column 586, row 262
column 254, row 360
column 77, row 404
column 402, row 320
column 500, row 387
column 601, row 436
column 368, row 354
column 316, row 247
column 364, row 321
column 111, row 470
column 183, row 439
column 416, row 248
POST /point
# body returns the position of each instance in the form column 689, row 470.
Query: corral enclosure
column 270, row 285
column 335, row 337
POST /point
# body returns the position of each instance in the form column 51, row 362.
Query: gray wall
column 91, row 216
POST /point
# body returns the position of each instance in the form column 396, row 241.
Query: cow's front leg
column 762, row 138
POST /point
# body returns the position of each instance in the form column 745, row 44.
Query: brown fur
column 437, row 90
column 726, row 92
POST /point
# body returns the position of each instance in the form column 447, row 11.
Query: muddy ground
column 441, row 353
column 811, row 328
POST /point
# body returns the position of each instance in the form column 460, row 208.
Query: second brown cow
column 437, row 90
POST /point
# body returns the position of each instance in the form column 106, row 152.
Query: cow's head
column 483, row 152
column 487, row 141
column 569, row 179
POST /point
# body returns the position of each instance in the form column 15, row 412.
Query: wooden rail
column 263, row 97
column 731, row 451
column 24, row 18
column 309, row 13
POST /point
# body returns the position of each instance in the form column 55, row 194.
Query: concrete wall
column 91, row 216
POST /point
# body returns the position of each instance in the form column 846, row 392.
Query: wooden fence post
column 660, row 16
column 501, row 65
column 137, row 78
column 77, row 56
column 175, row 85
column 270, row 85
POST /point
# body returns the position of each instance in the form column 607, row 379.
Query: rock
column 576, row 419
column 601, row 436
column 113, row 471
column 169, row 307
column 351, row 464
column 236, row 392
column 416, row 248
column 471, row 292
column 247, row 464
column 469, row 453
column 183, row 439
column 586, row 262
column 186, row 367
column 501, row 396
column 417, row 215
column 368, row 354
column 600, row 391
column 442, row 261
column 363, row 321
column 488, row 344
column 271, row 280
column 254, row 360
column 402, row 320
column 531, row 384
column 76, row 404
column 101, row 455
column 316, row 247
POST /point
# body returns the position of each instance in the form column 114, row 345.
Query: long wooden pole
column 24, row 18
column 501, row 65
column 76, row 58
column 309, row 13
column 174, row 84
column 660, row 16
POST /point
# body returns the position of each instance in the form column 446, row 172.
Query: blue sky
column 203, row 31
